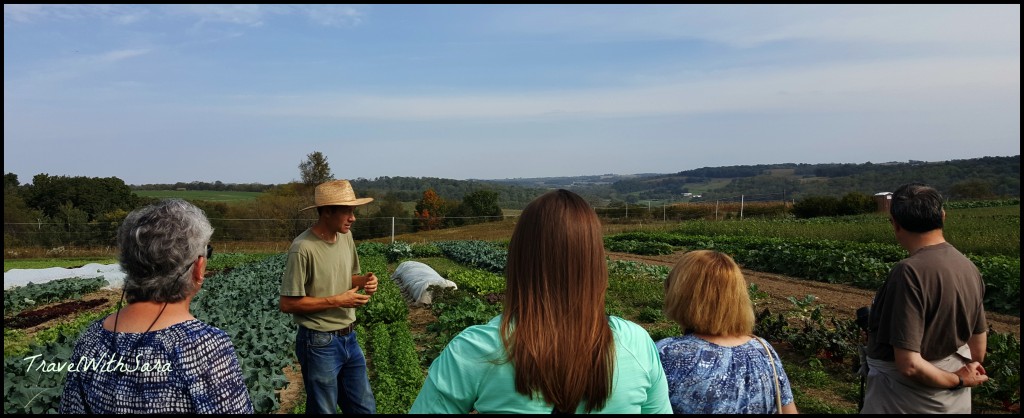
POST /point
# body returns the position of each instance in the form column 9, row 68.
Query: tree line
column 77, row 210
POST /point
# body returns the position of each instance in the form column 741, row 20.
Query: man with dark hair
column 320, row 289
column 927, row 331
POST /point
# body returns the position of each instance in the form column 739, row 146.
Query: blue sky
column 242, row 93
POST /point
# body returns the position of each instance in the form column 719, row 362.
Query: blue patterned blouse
column 706, row 378
column 189, row 367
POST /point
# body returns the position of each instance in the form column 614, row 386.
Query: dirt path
column 837, row 300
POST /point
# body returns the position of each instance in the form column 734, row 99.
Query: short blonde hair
column 706, row 293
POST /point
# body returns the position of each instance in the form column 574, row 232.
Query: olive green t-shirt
column 319, row 269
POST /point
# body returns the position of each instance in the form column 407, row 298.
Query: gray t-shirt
column 931, row 303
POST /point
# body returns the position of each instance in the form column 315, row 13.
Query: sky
column 244, row 93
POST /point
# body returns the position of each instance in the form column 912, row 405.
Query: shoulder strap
column 775, row 374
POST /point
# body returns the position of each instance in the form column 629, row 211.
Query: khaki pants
column 889, row 392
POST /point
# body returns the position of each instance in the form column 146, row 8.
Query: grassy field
column 207, row 195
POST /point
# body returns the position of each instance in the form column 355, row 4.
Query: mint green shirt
column 463, row 378
column 318, row 269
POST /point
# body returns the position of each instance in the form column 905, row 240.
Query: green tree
column 814, row 206
column 971, row 189
column 315, row 169
column 18, row 216
column 856, row 203
column 92, row 195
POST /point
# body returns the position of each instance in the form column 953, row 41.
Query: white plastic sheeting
column 414, row 277
column 21, row 277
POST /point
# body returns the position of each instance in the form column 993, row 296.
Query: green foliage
column 1002, row 364
column 244, row 304
column 426, row 250
column 398, row 251
column 23, row 297
column 28, row 390
column 856, row 203
column 397, row 373
column 479, row 254
column 37, row 263
column 636, row 292
column 455, row 310
column 858, row 264
column 475, row 206
column 478, row 281
column 15, row 342
column 815, row 206
column 635, row 270
column 219, row 196
column 94, row 196
column 315, row 169
column 386, row 306
column 222, row 261
column 638, row 247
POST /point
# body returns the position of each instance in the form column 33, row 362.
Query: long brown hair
column 553, row 324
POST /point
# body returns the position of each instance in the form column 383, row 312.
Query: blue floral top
column 189, row 367
column 706, row 378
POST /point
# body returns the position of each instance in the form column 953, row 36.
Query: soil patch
column 28, row 319
column 293, row 392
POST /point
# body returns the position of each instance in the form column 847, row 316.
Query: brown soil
column 293, row 392
column 45, row 316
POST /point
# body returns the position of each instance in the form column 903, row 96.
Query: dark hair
column 158, row 245
column 917, row 208
column 554, row 326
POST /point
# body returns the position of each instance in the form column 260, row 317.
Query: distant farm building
column 882, row 200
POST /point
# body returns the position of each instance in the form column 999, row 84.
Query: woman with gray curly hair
column 153, row 356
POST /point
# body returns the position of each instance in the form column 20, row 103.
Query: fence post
column 392, row 229
column 741, row 207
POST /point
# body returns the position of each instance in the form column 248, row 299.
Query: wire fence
column 96, row 233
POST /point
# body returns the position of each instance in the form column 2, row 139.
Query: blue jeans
column 334, row 373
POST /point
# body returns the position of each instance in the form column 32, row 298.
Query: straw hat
column 336, row 192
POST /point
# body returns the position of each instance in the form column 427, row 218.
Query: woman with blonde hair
column 552, row 349
column 718, row 366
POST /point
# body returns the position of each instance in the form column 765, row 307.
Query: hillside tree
column 430, row 211
column 315, row 169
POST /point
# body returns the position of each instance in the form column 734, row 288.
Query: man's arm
column 913, row 366
column 978, row 344
column 310, row 304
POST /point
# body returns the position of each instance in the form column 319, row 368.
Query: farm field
column 207, row 195
column 397, row 333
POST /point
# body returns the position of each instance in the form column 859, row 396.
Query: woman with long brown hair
column 552, row 349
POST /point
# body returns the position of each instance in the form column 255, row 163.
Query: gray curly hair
column 159, row 244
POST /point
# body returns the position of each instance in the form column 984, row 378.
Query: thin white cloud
column 67, row 69
column 33, row 13
column 895, row 85
column 121, row 54
column 752, row 25
column 252, row 15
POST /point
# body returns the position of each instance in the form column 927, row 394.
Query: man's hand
column 972, row 374
column 350, row 299
column 371, row 284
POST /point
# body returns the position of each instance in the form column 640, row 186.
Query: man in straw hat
column 320, row 288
